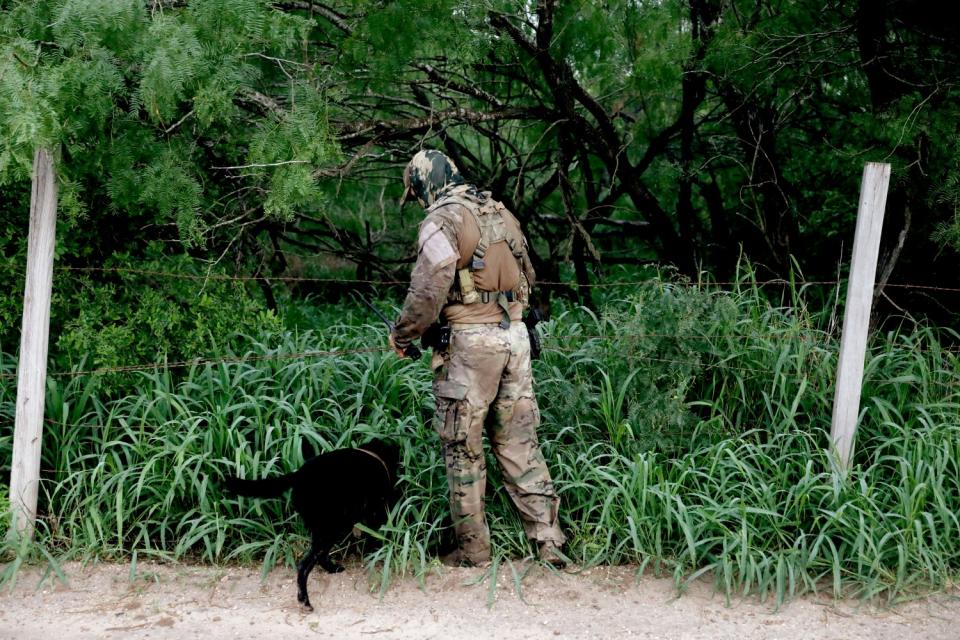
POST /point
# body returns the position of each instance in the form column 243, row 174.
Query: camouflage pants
column 489, row 367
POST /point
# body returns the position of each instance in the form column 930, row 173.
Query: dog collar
column 379, row 459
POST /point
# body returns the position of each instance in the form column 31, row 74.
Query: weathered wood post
column 32, row 371
column 856, row 317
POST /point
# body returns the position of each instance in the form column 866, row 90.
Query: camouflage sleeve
column 528, row 265
column 432, row 275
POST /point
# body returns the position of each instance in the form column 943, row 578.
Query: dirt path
column 202, row 602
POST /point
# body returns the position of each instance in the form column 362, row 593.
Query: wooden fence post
column 856, row 317
column 32, row 370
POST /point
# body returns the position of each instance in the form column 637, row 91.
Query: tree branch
column 364, row 130
column 445, row 81
column 335, row 18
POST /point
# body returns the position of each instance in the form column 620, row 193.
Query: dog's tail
column 262, row 488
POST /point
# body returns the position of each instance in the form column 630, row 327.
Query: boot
column 550, row 553
column 460, row 559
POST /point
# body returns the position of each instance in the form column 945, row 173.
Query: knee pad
column 526, row 414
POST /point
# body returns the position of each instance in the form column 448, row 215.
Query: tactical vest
column 489, row 216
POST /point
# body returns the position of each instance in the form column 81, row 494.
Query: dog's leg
column 323, row 557
column 322, row 542
column 303, row 572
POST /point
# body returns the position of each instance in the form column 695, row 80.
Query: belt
column 485, row 296
column 470, row 325
column 490, row 296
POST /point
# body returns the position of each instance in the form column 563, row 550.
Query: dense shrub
column 142, row 316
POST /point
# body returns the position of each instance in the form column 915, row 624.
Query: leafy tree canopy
column 267, row 137
column 147, row 103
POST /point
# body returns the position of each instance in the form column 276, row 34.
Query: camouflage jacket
column 446, row 241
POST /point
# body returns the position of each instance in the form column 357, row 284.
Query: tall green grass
column 687, row 431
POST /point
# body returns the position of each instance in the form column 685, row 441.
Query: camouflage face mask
column 427, row 174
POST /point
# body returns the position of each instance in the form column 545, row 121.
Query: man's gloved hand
column 396, row 349
column 410, row 351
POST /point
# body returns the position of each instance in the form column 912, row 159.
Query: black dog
column 332, row 492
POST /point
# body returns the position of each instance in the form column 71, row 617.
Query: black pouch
column 532, row 320
column 534, row 342
column 436, row 337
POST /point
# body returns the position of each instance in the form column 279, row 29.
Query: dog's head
column 387, row 451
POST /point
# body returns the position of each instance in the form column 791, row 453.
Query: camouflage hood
column 429, row 174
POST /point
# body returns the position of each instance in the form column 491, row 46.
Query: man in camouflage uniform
column 472, row 268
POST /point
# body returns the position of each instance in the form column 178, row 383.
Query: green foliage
column 168, row 187
column 686, row 426
column 645, row 353
column 117, row 88
column 8, row 399
column 948, row 195
column 394, row 33
column 143, row 109
column 4, row 511
column 296, row 142
column 733, row 478
column 13, row 258
column 171, row 61
column 79, row 24
column 149, row 462
column 142, row 318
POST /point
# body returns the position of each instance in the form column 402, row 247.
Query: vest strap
column 489, row 219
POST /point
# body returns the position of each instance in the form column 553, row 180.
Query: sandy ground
column 182, row 601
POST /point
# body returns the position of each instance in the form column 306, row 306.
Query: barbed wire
column 289, row 279
column 203, row 361
column 822, row 340
column 385, row 282
column 752, row 371
column 209, row 361
column 227, row 278
column 199, row 362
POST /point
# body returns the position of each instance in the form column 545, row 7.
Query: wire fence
column 826, row 340
column 705, row 366
column 388, row 282
column 753, row 371
column 305, row 355
column 556, row 343
column 200, row 362
column 574, row 285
